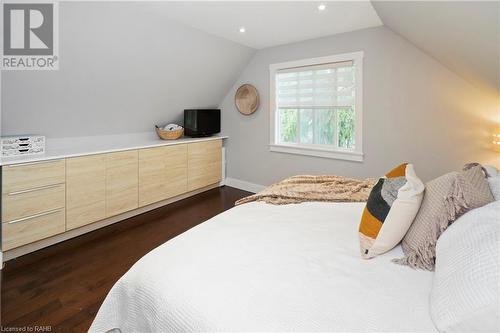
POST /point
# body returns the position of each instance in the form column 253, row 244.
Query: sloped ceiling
column 271, row 23
column 462, row 35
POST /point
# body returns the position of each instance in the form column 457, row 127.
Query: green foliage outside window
column 325, row 127
column 318, row 126
column 346, row 127
column 288, row 126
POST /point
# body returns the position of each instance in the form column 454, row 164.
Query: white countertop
column 56, row 148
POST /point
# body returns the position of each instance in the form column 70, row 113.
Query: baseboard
column 243, row 185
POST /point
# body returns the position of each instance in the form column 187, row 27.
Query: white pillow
column 492, row 171
column 494, row 183
column 465, row 292
column 493, row 180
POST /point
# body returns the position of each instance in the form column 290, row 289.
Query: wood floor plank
column 63, row 286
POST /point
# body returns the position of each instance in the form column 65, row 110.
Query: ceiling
column 273, row 23
column 462, row 35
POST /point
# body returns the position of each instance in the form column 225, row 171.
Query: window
column 316, row 107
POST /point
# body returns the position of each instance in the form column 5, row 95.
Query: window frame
column 315, row 149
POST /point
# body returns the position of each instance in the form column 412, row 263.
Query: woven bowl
column 169, row 135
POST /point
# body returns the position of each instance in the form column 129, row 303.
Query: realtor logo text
column 30, row 36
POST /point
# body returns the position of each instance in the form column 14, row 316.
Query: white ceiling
column 273, row 23
column 462, row 35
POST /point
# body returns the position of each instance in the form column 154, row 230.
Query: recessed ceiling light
column 321, row 7
column 243, row 30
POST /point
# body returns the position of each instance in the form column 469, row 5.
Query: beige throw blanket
column 303, row 188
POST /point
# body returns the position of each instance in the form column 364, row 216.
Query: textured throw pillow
column 391, row 207
column 465, row 290
column 445, row 199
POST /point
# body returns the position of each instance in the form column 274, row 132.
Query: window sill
column 317, row 152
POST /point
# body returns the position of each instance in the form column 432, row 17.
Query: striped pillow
column 391, row 207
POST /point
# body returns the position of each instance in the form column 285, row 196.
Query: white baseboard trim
column 243, row 185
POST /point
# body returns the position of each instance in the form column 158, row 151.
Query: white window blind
column 326, row 85
column 316, row 105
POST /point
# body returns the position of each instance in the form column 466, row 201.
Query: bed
column 261, row 267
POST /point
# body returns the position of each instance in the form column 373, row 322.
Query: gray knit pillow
column 445, row 199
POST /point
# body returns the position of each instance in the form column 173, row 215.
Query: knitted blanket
column 303, row 188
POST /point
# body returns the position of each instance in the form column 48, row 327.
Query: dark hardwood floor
column 62, row 286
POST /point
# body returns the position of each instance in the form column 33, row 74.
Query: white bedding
column 260, row 267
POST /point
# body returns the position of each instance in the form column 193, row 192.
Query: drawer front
column 204, row 164
column 32, row 229
column 85, row 190
column 152, row 175
column 121, row 182
column 16, row 205
column 176, row 170
column 33, row 175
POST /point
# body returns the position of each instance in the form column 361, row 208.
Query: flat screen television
column 201, row 122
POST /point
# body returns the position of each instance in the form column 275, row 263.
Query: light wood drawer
column 85, row 190
column 24, row 203
column 176, row 170
column 152, row 175
column 162, row 173
column 32, row 229
column 121, row 182
column 204, row 164
column 27, row 176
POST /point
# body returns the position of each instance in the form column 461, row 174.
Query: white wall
column 415, row 110
column 123, row 68
column 462, row 35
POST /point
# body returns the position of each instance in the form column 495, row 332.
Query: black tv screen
column 201, row 122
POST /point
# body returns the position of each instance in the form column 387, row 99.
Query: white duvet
column 260, row 267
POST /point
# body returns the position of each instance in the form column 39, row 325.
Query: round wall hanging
column 247, row 99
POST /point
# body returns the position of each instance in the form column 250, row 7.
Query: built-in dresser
column 50, row 198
